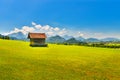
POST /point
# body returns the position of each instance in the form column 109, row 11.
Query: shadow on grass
column 44, row 45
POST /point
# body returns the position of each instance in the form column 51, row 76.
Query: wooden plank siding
column 37, row 41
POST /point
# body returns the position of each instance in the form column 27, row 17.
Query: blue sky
column 91, row 18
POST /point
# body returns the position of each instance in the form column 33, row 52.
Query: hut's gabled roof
column 36, row 35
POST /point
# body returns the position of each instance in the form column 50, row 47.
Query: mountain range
column 18, row 36
column 71, row 41
column 110, row 39
column 55, row 39
column 61, row 39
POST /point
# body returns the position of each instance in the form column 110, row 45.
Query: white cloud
column 62, row 32
column 38, row 26
column 50, row 33
column 56, row 29
column 33, row 23
column 49, row 30
column 79, row 34
column 26, row 29
column 13, row 31
column 46, row 27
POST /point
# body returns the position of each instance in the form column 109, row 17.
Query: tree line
column 95, row 44
column 4, row 37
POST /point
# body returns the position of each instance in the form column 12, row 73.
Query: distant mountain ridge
column 92, row 40
column 80, row 39
column 18, row 35
column 55, row 39
column 61, row 39
column 71, row 41
column 66, row 37
column 110, row 39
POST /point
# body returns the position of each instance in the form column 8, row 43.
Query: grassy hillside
column 19, row 61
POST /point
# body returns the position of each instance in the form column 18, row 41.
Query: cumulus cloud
column 33, row 23
column 56, row 29
column 45, row 27
column 63, row 31
column 80, row 34
column 38, row 26
column 24, row 30
column 49, row 30
column 50, row 33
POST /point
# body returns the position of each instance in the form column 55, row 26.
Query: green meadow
column 19, row 61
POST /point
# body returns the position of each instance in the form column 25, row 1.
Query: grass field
column 19, row 61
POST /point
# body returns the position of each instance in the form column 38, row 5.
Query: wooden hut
column 37, row 39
